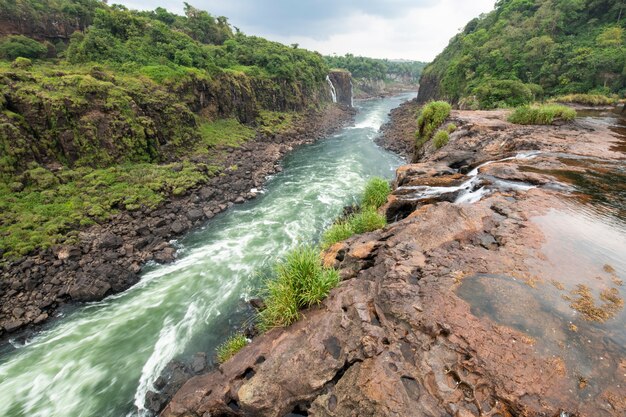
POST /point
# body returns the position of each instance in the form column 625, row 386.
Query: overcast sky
column 406, row 29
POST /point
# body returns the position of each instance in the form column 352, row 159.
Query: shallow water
column 100, row 359
column 584, row 251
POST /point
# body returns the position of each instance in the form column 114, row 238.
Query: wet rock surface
column 109, row 257
column 447, row 311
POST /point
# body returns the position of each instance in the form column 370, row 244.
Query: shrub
column 506, row 93
column 22, row 63
column 376, row 192
column 586, row 99
column 430, row 117
column 541, row 115
column 15, row 46
column 300, row 281
column 230, row 347
column 441, row 139
column 451, row 128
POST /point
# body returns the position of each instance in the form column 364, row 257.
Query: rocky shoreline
column 402, row 334
column 109, row 257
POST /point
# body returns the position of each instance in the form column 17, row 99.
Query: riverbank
column 496, row 290
column 107, row 258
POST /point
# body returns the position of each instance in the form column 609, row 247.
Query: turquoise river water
column 100, row 359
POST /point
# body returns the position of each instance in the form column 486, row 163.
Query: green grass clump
column 275, row 122
column 366, row 220
column 230, row 347
column 376, row 192
column 541, row 115
column 42, row 207
column 429, row 119
column 586, row 99
column 299, row 281
column 441, row 139
column 451, row 128
column 223, row 132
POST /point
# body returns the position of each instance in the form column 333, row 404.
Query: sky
column 394, row 29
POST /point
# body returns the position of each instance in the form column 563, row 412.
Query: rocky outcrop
column 429, row 88
column 342, row 80
column 397, row 338
column 398, row 134
column 107, row 258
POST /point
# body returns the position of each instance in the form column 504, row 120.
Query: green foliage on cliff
column 563, row 46
column 40, row 206
column 377, row 69
column 299, row 281
column 112, row 97
column 16, row 46
column 429, row 119
column 541, row 115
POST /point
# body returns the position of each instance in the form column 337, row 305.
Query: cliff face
column 429, row 89
column 342, row 80
column 97, row 118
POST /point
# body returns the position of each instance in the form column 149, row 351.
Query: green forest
column 527, row 50
column 377, row 69
column 103, row 108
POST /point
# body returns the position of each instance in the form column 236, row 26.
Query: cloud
column 409, row 29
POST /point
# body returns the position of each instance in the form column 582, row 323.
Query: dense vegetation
column 99, row 106
column 527, row 49
column 378, row 69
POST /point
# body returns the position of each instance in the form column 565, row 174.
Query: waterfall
column 351, row 93
column 333, row 92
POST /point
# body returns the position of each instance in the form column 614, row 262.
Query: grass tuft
column 441, row 139
column 376, row 192
column 429, row 119
column 299, row 281
column 367, row 220
column 541, row 115
column 230, row 347
column 586, row 99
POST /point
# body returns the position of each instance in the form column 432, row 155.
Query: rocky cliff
column 406, row 334
column 342, row 80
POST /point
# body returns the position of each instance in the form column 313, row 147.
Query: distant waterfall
column 333, row 92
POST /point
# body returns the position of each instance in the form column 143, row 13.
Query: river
column 100, row 359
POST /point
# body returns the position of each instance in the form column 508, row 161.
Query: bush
column 586, row 99
column 451, row 128
column 300, row 281
column 230, row 347
column 441, row 139
column 430, row 118
column 376, row 192
column 541, row 115
column 22, row 63
column 506, row 93
column 15, row 46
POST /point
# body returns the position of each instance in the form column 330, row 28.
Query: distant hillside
column 378, row 69
column 526, row 49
